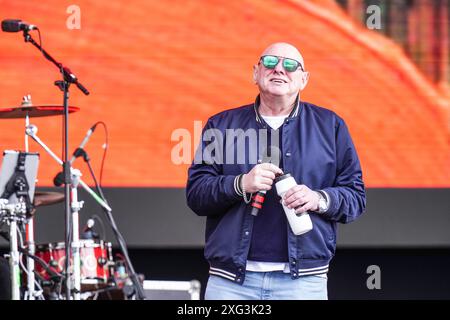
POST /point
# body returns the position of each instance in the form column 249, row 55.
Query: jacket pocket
column 320, row 242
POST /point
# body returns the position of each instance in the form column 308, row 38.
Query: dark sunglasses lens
column 290, row 65
column 270, row 62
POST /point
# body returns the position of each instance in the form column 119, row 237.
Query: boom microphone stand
column 64, row 84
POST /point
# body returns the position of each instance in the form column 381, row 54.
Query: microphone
column 79, row 151
column 257, row 202
column 16, row 25
column 88, row 231
column 89, row 224
column 58, row 180
column 272, row 155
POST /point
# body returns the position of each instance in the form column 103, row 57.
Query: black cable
column 40, row 40
column 119, row 237
column 102, row 235
column 97, row 187
column 39, row 260
column 50, row 271
column 105, row 149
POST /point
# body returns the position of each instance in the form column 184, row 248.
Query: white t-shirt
column 274, row 121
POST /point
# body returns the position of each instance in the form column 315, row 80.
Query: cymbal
column 34, row 111
column 43, row 198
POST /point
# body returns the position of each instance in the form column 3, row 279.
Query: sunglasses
column 290, row 65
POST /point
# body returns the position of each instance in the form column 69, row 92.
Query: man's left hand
column 302, row 198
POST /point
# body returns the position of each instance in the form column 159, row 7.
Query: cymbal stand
column 31, row 131
column 76, row 206
column 29, row 226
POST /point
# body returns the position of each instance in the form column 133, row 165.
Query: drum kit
column 90, row 268
column 98, row 271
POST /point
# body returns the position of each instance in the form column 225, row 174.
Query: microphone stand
column 133, row 276
column 64, row 84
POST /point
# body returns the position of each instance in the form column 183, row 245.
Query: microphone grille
column 11, row 25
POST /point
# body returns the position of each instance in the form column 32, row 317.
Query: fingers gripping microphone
column 15, row 25
column 272, row 155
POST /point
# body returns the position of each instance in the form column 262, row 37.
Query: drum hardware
column 49, row 198
column 19, row 170
column 32, row 130
column 27, row 110
column 44, row 198
column 72, row 178
column 14, row 216
column 102, row 261
column 75, row 208
column 53, row 263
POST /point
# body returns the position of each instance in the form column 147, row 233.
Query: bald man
column 252, row 250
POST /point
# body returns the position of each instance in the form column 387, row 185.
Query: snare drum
column 96, row 259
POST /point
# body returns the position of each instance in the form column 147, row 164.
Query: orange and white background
column 155, row 66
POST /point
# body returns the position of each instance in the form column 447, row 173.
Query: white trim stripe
column 223, row 271
column 313, row 272
column 311, row 269
column 296, row 109
column 220, row 275
column 256, row 112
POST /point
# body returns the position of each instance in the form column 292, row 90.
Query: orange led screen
column 156, row 66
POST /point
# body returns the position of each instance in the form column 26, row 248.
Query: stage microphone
column 88, row 231
column 79, row 151
column 16, row 25
column 58, row 180
column 272, row 155
column 89, row 224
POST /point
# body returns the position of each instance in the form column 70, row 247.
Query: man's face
column 278, row 81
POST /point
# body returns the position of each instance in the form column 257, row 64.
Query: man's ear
column 255, row 73
column 304, row 80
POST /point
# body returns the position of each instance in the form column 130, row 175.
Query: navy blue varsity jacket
column 317, row 151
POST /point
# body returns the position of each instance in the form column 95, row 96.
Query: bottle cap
column 282, row 177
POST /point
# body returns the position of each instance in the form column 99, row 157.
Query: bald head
column 276, row 82
column 283, row 49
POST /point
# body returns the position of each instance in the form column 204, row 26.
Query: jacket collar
column 295, row 111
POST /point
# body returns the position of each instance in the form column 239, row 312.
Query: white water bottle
column 301, row 223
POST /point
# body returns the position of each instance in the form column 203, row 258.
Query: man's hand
column 260, row 177
column 302, row 199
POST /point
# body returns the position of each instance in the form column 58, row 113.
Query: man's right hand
column 260, row 177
